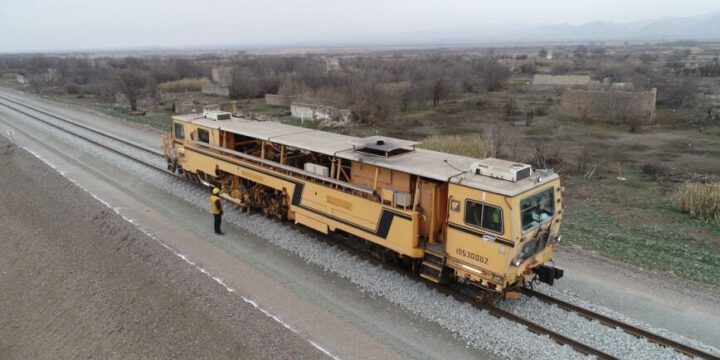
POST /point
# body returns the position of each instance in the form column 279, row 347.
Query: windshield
column 537, row 209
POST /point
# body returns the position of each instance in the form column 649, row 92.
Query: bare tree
column 509, row 110
column 530, row 116
column 134, row 85
column 580, row 51
column 677, row 93
column 36, row 82
column 493, row 74
column 647, row 59
column 439, row 91
column 368, row 98
column 244, row 85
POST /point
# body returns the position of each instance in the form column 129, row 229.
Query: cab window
column 537, row 209
column 483, row 216
column 203, row 136
column 179, row 131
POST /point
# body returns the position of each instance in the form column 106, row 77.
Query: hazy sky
column 36, row 25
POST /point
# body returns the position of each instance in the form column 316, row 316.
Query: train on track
column 488, row 223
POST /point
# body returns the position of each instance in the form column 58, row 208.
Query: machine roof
column 426, row 163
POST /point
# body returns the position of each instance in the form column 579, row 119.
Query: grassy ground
column 258, row 106
column 157, row 119
column 636, row 222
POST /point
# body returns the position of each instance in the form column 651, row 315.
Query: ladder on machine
column 433, row 262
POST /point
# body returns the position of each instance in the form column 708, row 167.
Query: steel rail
column 85, row 127
column 491, row 309
column 630, row 329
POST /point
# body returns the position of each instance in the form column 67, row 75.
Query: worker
column 216, row 210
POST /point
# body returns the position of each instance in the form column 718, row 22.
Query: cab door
column 433, row 201
column 478, row 230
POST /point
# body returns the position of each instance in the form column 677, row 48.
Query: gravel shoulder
column 78, row 281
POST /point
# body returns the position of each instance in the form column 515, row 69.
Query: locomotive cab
column 500, row 230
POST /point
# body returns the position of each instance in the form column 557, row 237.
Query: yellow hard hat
column 216, row 191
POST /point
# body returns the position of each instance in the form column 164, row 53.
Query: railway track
column 577, row 345
column 90, row 129
column 630, row 329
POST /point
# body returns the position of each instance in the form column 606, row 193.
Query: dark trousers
column 217, row 222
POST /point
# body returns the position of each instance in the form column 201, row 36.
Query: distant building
column 328, row 115
column 332, row 64
column 185, row 106
column 20, row 79
column 278, row 100
column 622, row 86
column 52, row 76
column 562, row 80
column 144, row 102
column 215, row 89
column 222, row 75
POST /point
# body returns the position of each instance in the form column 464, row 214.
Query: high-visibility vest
column 214, row 209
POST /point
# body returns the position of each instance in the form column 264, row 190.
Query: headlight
column 556, row 239
column 518, row 261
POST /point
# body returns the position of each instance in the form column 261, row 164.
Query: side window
column 483, row 216
column 473, row 213
column 179, row 131
column 492, row 218
column 203, row 136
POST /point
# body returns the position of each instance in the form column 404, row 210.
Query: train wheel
column 278, row 205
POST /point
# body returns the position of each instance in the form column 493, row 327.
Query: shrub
column 72, row 89
column 472, row 146
column 655, row 171
column 701, row 200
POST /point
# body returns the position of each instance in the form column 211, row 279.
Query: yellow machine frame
column 431, row 231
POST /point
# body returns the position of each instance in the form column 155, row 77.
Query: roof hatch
column 383, row 146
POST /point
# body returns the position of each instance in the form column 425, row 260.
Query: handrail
column 284, row 167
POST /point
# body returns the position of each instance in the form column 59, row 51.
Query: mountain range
column 703, row 27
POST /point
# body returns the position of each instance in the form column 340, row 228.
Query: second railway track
column 32, row 112
column 24, row 110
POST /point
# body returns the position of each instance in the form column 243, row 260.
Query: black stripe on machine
column 383, row 228
column 481, row 234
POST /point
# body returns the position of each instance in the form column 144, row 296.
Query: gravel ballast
column 477, row 328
